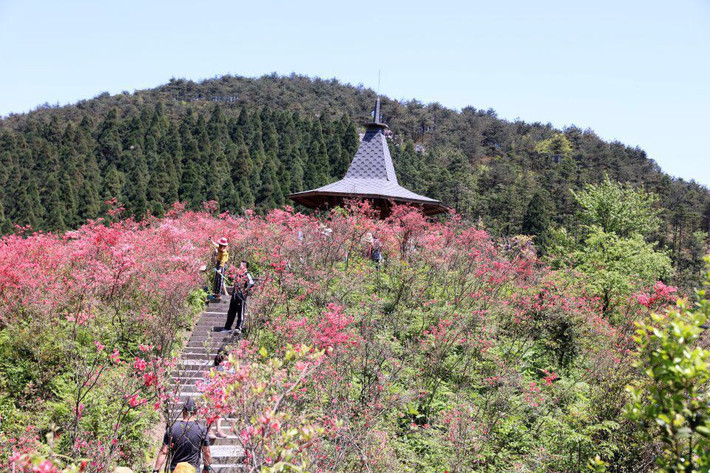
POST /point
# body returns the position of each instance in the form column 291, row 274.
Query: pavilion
column 370, row 177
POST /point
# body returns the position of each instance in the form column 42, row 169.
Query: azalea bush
column 263, row 393
column 671, row 400
column 89, row 324
column 457, row 352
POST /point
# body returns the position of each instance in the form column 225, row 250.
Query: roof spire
column 377, row 118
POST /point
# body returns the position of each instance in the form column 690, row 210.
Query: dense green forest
column 247, row 143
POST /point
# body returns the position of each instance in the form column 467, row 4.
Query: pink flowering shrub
column 264, row 393
column 457, row 352
column 660, row 295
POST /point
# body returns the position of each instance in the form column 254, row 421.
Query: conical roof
column 370, row 176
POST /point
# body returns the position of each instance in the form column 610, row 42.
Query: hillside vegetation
column 459, row 352
column 246, row 143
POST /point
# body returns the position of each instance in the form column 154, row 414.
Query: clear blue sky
column 637, row 71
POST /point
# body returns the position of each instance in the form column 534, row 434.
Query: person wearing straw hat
column 221, row 255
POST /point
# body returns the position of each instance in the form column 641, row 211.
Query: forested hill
column 249, row 142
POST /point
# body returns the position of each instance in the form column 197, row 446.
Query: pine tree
column 113, row 184
column 136, row 187
column 192, row 186
column 537, row 220
column 348, row 144
column 27, row 208
column 317, row 166
column 217, row 126
column 408, row 163
column 270, row 194
column 89, row 202
column 108, row 141
column 461, row 184
column 201, row 135
column 69, row 198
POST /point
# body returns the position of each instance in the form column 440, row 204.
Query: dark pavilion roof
column 370, row 176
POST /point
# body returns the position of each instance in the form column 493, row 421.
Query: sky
column 637, row 71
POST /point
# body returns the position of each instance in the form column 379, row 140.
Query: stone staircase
column 197, row 358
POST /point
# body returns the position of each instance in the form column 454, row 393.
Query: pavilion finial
column 377, row 111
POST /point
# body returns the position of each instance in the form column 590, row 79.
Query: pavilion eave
column 323, row 199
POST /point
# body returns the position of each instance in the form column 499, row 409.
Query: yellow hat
column 183, row 467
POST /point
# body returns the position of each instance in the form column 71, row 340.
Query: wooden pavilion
column 370, row 177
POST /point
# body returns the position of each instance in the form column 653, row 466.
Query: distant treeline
column 247, row 143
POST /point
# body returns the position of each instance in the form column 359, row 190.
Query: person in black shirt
column 243, row 283
column 185, row 441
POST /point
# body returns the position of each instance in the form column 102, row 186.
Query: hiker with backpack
column 374, row 249
column 185, row 442
column 243, row 282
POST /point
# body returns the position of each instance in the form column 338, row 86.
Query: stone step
column 212, row 316
column 187, row 363
column 209, row 342
column 200, row 353
column 227, row 422
column 193, row 366
column 202, row 361
column 212, row 338
column 227, row 468
column 213, row 331
column 226, row 454
column 209, row 325
column 218, row 306
column 230, row 439
column 180, row 381
column 212, row 335
column 191, row 372
column 182, row 396
column 204, row 350
column 208, row 346
column 183, row 381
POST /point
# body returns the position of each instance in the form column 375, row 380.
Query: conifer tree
column 68, row 196
column 108, row 141
column 316, row 170
column 192, row 186
column 217, row 126
column 270, row 194
column 88, row 201
column 201, row 135
column 348, row 144
column 461, row 183
column 136, row 186
column 407, row 163
column 5, row 226
column 537, row 219
column 113, row 184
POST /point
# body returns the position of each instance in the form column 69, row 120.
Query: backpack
column 376, row 255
